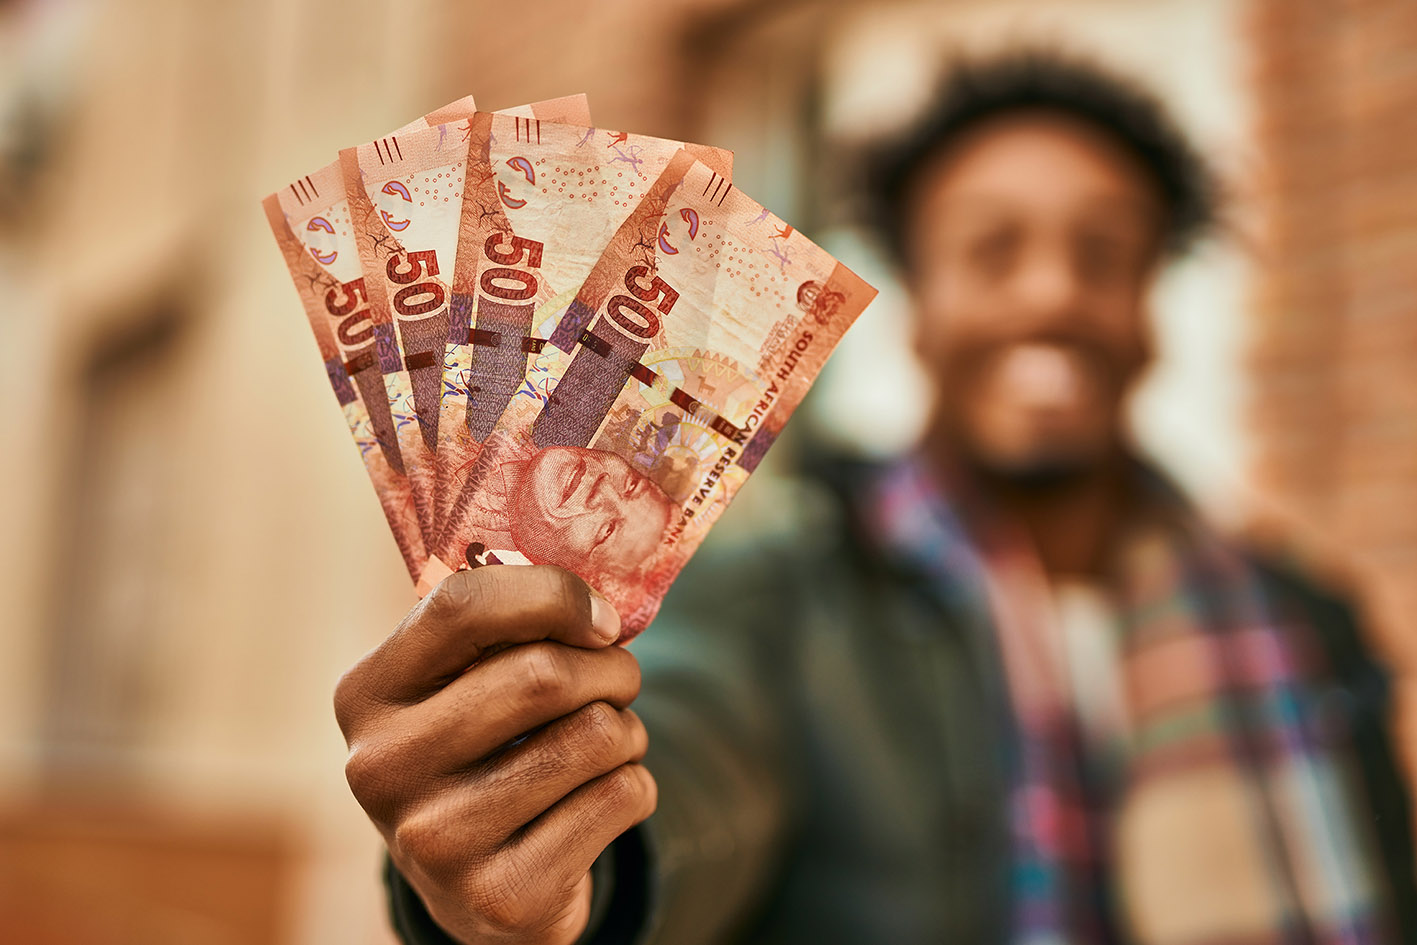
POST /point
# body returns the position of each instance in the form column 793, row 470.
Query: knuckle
column 542, row 671
column 412, row 839
column 643, row 797
column 623, row 788
column 498, row 893
column 650, row 798
column 386, row 774
column 372, row 777
column 363, row 773
column 346, row 700
column 632, row 667
column 457, row 594
column 636, row 733
column 423, row 840
column 599, row 731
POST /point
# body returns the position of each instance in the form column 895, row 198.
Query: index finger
column 473, row 612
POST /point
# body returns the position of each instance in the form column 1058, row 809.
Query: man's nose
column 1047, row 289
column 596, row 497
column 605, row 501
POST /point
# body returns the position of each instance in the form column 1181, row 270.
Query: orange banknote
column 347, row 345
column 554, row 343
column 311, row 221
column 542, row 203
column 404, row 193
column 655, row 392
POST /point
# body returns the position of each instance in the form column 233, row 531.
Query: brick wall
column 1335, row 355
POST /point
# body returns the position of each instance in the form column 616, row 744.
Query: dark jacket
column 829, row 737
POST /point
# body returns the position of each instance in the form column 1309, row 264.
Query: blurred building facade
column 1334, row 413
column 193, row 553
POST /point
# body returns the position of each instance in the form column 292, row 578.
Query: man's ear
column 1146, row 342
column 926, row 341
column 919, row 336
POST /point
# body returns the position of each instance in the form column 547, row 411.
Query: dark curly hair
column 977, row 90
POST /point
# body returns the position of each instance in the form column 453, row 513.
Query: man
column 1005, row 689
column 590, row 510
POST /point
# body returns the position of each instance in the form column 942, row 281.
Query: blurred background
column 192, row 553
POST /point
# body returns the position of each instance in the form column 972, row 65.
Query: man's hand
column 497, row 786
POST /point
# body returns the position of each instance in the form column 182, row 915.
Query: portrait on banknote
column 583, row 509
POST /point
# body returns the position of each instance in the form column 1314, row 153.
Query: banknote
column 404, row 193
column 569, row 108
column 311, row 222
column 324, row 266
column 541, row 203
column 652, row 395
column 449, row 114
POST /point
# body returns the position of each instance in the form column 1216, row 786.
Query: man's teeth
column 1044, row 375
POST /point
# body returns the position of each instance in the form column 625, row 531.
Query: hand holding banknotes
column 496, row 787
column 561, row 350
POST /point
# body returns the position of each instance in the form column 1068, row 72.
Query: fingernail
column 604, row 619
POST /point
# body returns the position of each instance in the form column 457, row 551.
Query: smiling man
column 1030, row 247
column 1007, row 688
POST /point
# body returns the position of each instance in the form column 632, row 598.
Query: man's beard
column 1031, row 417
column 1045, row 469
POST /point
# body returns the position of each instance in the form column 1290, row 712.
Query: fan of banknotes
column 555, row 343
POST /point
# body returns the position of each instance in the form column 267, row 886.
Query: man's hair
column 978, row 90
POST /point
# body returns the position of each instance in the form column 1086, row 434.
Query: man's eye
column 993, row 252
column 1103, row 260
column 572, row 481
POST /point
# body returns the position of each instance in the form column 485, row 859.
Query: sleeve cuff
column 618, row 910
